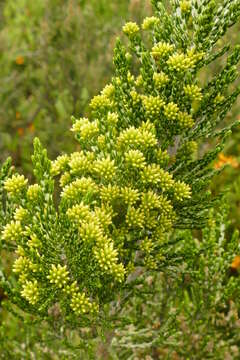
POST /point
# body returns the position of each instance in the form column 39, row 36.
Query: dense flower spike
column 135, row 175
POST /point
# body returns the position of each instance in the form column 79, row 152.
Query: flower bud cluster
column 79, row 163
column 181, row 191
column 193, row 92
column 59, row 164
column 180, row 62
column 104, row 168
column 78, row 187
column 130, row 29
column 33, row 192
column 162, row 50
column 12, row 231
column 20, row 214
column 153, row 106
column 100, row 103
column 30, row 291
column 150, row 22
column 58, row 275
column 15, row 184
column 141, row 137
column 86, row 129
column 185, row 6
column 107, row 258
column 160, row 79
column 81, row 305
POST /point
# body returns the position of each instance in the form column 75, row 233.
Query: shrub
column 137, row 175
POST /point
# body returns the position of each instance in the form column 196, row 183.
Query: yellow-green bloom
column 33, row 192
column 12, row 231
column 130, row 29
column 58, row 275
column 30, row 291
column 15, row 184
column 150, row 22
column 80, row 304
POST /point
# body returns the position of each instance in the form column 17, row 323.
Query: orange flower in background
column 236, row 263
column 19, row 60
column 235, row 266
column 20, row 131
column 31, row 128
column 226, row 160
column 18, row 115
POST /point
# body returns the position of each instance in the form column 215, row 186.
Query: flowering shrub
column 137, row 175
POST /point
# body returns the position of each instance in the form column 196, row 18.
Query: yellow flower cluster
column 15, row 184
column 30, row 291
column 12, row 231
column 107, row 258
column 160, row 79
column 162, row 50
column 183, row 119
column 104, row 168
column 153, row 174
column 129, row 196
column 78, row 212
column 219, row 99
column 80, row 163
column 171, row 111
column 21, row 265
column 193, row 92
column 112, row 119
column 185, row 6
column 91, row 228
column 181, row 62
column 136, row 98
column 153, row 105
column 58, row 275
column 150, row 22
column 20, row 214
column 135, row 159
column 91, row 232
column 108, row 91
column 143, row 137
column 59, row 164
column 33, row 192
column 109, row 193
column 86, row 129
column 135, row 218
column 100, row 102
column 34, row 241
column 65, row 179
column 81, row 305
column 181, row 191
column 130, row 29
column 78, row 187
